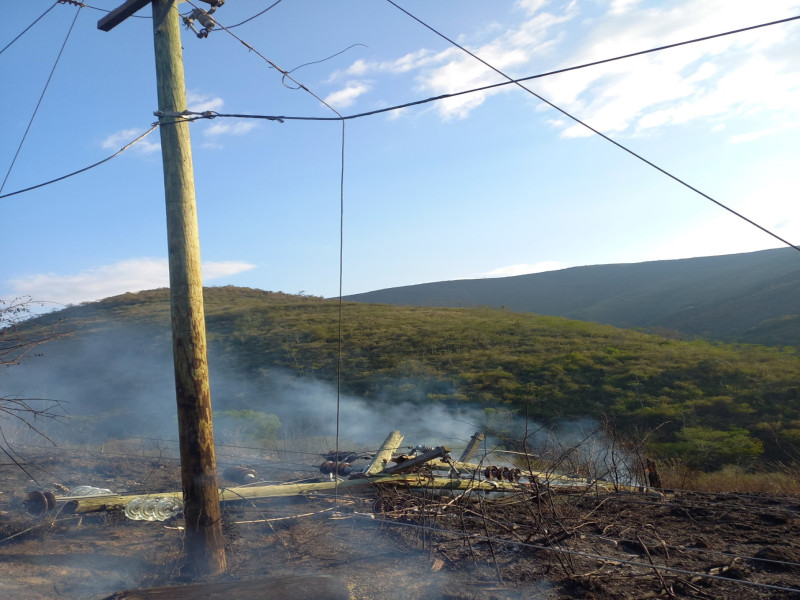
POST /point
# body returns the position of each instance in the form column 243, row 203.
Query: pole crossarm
column 119, row 14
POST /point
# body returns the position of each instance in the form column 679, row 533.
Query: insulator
column 515, row 475
column 148, row 509
column 133, row 508
column 239, row 474
column 504, row 474
column 38, row 503
column 491, row 472
column 204, row 18
column 340, row 468
column 142, row 508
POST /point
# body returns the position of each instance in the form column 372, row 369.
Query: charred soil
column 394, row 543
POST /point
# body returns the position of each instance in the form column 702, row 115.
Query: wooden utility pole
column 205, row 543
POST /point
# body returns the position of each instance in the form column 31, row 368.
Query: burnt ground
column 395, row 544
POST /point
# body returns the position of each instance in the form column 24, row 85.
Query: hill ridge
column 737, row 298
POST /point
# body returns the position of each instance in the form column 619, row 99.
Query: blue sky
column 484, row 185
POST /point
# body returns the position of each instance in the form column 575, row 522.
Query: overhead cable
column 41, row 97
column 596, row 131
column 24, row 31
column 504, row 83
column 193, row 116
column 281, row 118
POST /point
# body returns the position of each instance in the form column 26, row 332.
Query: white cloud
column 348, row 95
column 532, row 6
column 121, row 138
column 218, row 269
column 451, row 70
column 525, row 269
column 716, row 80
column 229, row 128
column 199, row 102
column 772, row 203
column 131, row 275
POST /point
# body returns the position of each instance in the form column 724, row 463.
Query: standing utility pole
column 204, row 540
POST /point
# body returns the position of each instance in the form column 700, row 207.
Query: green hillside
column 748, row 297
column 710, row 403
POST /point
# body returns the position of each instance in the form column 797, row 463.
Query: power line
column 282, row 118
column 41, row 97
column 596, row 131
column 502, row 83
column 24, row 31
column 192, row 116
column 92, row 166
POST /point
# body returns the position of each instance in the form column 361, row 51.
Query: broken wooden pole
column 473, row 445
column 384, row 454
column 417, row 461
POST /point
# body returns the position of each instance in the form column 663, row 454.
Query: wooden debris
column 417, row 461
column 377, row 473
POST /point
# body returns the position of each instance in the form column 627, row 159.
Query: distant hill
column 750, row 297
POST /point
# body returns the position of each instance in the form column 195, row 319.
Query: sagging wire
column 314, row 62
column 84, row 169
column 598, row 132
column 283, row 118
column 41, row 97
column 24, row 31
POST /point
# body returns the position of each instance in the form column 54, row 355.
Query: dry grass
column 780, row 478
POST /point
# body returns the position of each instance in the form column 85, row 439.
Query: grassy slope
column 549, row 367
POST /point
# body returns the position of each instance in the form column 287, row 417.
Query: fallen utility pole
column 89, row 504
column 204, row 539
column 384, row 454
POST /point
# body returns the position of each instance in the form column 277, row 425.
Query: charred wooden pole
column 474, row 444
column 205, row 543
column 384, row 454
